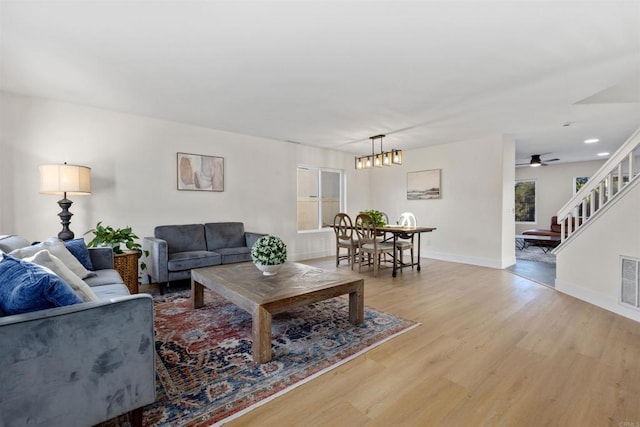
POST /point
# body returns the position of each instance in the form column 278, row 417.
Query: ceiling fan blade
column 551, row 160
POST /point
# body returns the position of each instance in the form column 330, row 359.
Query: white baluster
column 620, row 177
column 601, row 194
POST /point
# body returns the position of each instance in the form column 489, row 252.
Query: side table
column 126, row 264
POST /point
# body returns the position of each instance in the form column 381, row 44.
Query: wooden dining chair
column 345, row 238
column 368, row 243
column 405, row 240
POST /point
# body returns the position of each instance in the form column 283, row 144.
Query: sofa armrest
column 158, row 259
column 80, row 364
column 252, row 238
column 101, row 258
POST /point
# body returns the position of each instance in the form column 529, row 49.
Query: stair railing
column 601, row 189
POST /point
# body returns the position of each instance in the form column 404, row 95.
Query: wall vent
column 630, row 281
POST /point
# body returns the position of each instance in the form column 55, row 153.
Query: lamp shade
column 69, row 179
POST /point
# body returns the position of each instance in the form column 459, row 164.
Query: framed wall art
column 200, row 173
column 423, row 185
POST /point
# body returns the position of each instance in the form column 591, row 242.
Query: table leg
column 197, row 294
column 418, row 268
column 356, row 305
column 261, row 335
column 395, row 249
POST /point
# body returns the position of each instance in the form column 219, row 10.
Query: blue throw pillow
column 79, row 250
column 26, row 287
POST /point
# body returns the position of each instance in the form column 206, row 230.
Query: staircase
column 598, row 260
column 609, row 184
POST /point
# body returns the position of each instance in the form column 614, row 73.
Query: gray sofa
column 81, row 364
column 176, row 249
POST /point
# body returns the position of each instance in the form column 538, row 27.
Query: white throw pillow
column 57, row 248
column 47, row 260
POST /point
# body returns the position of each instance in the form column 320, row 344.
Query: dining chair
column 405, row 240
column 345, row 239
column 368, row 243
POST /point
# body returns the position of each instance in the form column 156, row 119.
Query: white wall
column 554, row 188
column 133, row 161
column 470, row 213
column 588, row 267
column 508, row 202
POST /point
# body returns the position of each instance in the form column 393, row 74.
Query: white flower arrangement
column 269, row 250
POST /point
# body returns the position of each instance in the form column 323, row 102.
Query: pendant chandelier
column 383, row 158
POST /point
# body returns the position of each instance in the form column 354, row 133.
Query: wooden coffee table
column 295, row 285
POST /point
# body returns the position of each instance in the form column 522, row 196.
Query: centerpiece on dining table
column 377, row 217
column 268, row 254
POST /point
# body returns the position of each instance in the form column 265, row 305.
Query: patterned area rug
column 536, row 254
column 204, row 365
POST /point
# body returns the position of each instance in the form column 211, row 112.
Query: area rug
column 536, row 254
column 205, row 373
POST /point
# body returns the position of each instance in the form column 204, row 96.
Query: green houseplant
column 268, row 253
column 114, row 237
column 377, row 217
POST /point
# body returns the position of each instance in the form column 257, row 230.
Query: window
column 320, row 197
column 525, row 201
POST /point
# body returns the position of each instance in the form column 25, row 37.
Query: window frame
column 535, row 201
column 341, row 196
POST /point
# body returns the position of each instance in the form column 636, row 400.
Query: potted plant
column 377, row 217
column 268, row 254
column 114, row 237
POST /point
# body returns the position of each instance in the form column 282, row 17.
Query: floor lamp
column 66, row 180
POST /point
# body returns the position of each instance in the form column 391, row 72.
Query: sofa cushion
column 104, row 277
column 57, row 248
column 12, row 242
column 45, row 259
column 224, row 235
column 106, row 292
column 231, row 255
column 78, row 249
column 192, row 259
column 26, row 287
column 182, row 238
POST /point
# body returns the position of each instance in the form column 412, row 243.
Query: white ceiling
column 332, row 74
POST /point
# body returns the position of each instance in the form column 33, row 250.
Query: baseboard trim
column 596, row 298
column 482, row 262
column 310, row 255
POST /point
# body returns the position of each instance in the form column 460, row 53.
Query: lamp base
column 65, row 217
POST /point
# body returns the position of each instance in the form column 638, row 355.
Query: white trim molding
column 596, row 298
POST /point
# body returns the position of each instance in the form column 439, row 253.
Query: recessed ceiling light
column 591, row 141
column 603, row 154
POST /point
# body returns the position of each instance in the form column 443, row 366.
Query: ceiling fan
column 535, row 161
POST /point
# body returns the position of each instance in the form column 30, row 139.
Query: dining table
column 401, row 231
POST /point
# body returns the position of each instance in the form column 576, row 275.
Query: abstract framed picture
column 197, row 172
column 423, row 185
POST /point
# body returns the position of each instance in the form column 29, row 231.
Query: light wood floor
column 493, row 349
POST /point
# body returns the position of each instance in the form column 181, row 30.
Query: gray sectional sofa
column 81, row 364
column 176, row 249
